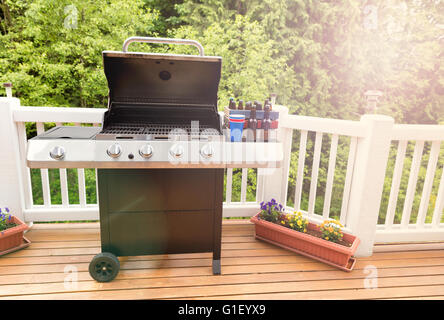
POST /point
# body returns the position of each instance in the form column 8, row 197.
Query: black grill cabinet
column 161, row 211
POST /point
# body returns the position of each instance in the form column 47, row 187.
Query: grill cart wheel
column 104, row 267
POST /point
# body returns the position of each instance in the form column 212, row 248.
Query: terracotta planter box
column 12, row 239
column 331, row 253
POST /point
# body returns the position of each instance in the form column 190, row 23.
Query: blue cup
column 236, row 127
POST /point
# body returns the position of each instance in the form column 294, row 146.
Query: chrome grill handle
column 163, row 40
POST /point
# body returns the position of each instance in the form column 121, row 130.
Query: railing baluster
column 63, row 180
column 82, row 189
column 23, row 141
column 259, row 185
column 81, row 179
column 330, row 175
column 229, row 185
column 439, row 204
column 244, row 185
column 348, row 179
column 44, row 173
column 301, row 164
column 411, row 186
column 314, row 173
column 396, row 181
column 64, row 187
column 428, row 183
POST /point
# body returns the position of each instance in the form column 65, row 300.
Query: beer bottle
column 252, row 123
column 268, row 103
column 240, row 106
column 232, row 104
column 248, row 105
column 266, row 123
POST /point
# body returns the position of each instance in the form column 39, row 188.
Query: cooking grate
column 124, row 129
column 158, row 129
column 166, row 129
column 120, row 131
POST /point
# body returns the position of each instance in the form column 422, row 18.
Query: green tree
column 248, row 70
column 51, row 50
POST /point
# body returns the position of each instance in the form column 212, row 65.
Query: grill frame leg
column 217, row 227
column 216, row 267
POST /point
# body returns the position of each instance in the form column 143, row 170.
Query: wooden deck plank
column 329, row 289
column 289, row 263
column 57, row 283
column 229, row 270
column 246, row 244
column 354, row 294
column 231, row 257
column 251, row 269
column 258, row 248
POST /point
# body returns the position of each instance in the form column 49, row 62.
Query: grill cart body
column 160, row 156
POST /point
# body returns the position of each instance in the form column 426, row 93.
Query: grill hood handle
column 163, row 40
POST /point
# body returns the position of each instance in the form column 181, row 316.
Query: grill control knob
column 57, row 153
column 146, row 151
column 207, row 151
column 176, row 151
column 114, row 150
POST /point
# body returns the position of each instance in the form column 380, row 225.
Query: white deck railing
column 424, row 222
column 316, row 150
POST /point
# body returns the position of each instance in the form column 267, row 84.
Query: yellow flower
column 330, row 229
column 326, row 238
column 299, row 222
column 291, row 225
column 305, row 230
column 283, row 222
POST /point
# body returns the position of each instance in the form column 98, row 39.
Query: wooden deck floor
column 251, row 269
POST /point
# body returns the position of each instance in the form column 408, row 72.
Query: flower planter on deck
column 331, row 253
column 12, row 239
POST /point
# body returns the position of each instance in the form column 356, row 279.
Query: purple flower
column 7, row 209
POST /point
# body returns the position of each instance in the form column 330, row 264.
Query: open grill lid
column 144, row 79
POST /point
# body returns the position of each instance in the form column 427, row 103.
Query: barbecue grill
column 160, row 156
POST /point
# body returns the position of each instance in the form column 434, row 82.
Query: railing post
column 275, row 181
column 368, row 180
column 11, row 186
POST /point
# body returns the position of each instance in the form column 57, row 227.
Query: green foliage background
column 319, row 57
